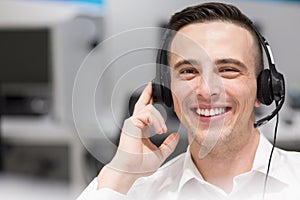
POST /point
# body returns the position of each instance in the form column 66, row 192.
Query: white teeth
column 206, row 112
column 210, row 112
column 202, row 111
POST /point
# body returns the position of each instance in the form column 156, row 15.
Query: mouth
column 211, row 112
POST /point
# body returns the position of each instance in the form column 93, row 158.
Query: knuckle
column 146, row 110
column 150, row 108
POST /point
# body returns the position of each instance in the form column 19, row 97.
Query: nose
column 208, row 86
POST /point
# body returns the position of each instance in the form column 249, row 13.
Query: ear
column 257, row 103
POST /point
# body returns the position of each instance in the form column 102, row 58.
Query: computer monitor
column 24, row 55
column 25, row 70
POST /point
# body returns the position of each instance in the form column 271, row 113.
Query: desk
column 15, row 187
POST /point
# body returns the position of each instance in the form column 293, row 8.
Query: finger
column 131, row 128
column 144, row 99
column 169, row 145
column 159, row 123
column 150, row 116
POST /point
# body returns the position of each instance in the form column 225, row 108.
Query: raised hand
column 137, row 156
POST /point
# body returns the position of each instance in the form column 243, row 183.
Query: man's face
column 213, row 81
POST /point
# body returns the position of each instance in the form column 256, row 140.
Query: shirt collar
column 190, row 171
column 260, row 164
column 262, row 157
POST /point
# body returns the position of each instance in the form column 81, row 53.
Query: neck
column 222, row 164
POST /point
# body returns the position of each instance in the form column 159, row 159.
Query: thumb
column 169, row 145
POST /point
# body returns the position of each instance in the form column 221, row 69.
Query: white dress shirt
column 180, row 179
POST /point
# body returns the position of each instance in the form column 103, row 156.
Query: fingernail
column 165, row 128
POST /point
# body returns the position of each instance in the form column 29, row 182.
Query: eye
column 223, row 70
column 228, row 72
column 187, row 73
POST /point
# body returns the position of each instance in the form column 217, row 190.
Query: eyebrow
column 217, row 62
column 230, row 61
column 184, row 62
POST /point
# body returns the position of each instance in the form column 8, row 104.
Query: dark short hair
column 217, row 12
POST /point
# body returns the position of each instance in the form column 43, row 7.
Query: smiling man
column 203, row 102
column 215, row 58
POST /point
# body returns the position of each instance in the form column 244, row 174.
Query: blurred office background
column 57, row 131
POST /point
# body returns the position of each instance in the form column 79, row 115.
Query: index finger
column 145, row 98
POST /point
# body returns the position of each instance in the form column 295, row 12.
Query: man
column 214, row 91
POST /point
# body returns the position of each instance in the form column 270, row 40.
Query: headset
column 270, row 82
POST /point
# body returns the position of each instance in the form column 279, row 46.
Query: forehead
column 214, row 40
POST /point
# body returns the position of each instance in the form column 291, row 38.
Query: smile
column 210, row 112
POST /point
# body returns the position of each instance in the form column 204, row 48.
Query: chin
column 213, row 136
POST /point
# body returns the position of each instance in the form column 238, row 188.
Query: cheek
column 252, row 92
column 182, row 93
column 177, row 108
column 243, row 94
column 177, row 98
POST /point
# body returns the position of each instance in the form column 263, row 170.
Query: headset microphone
column 266, row 119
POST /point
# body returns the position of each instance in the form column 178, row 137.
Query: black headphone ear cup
column 264, row 87
column 167, row 97
column 166, row 85
column 157, row 92
column 161, row 94
column 161, row 84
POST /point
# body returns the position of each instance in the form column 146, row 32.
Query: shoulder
column 290, row 158
column 170, row 168
column 173, row 163
column 162, row 183
column 290, row 164
column 170, row 172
